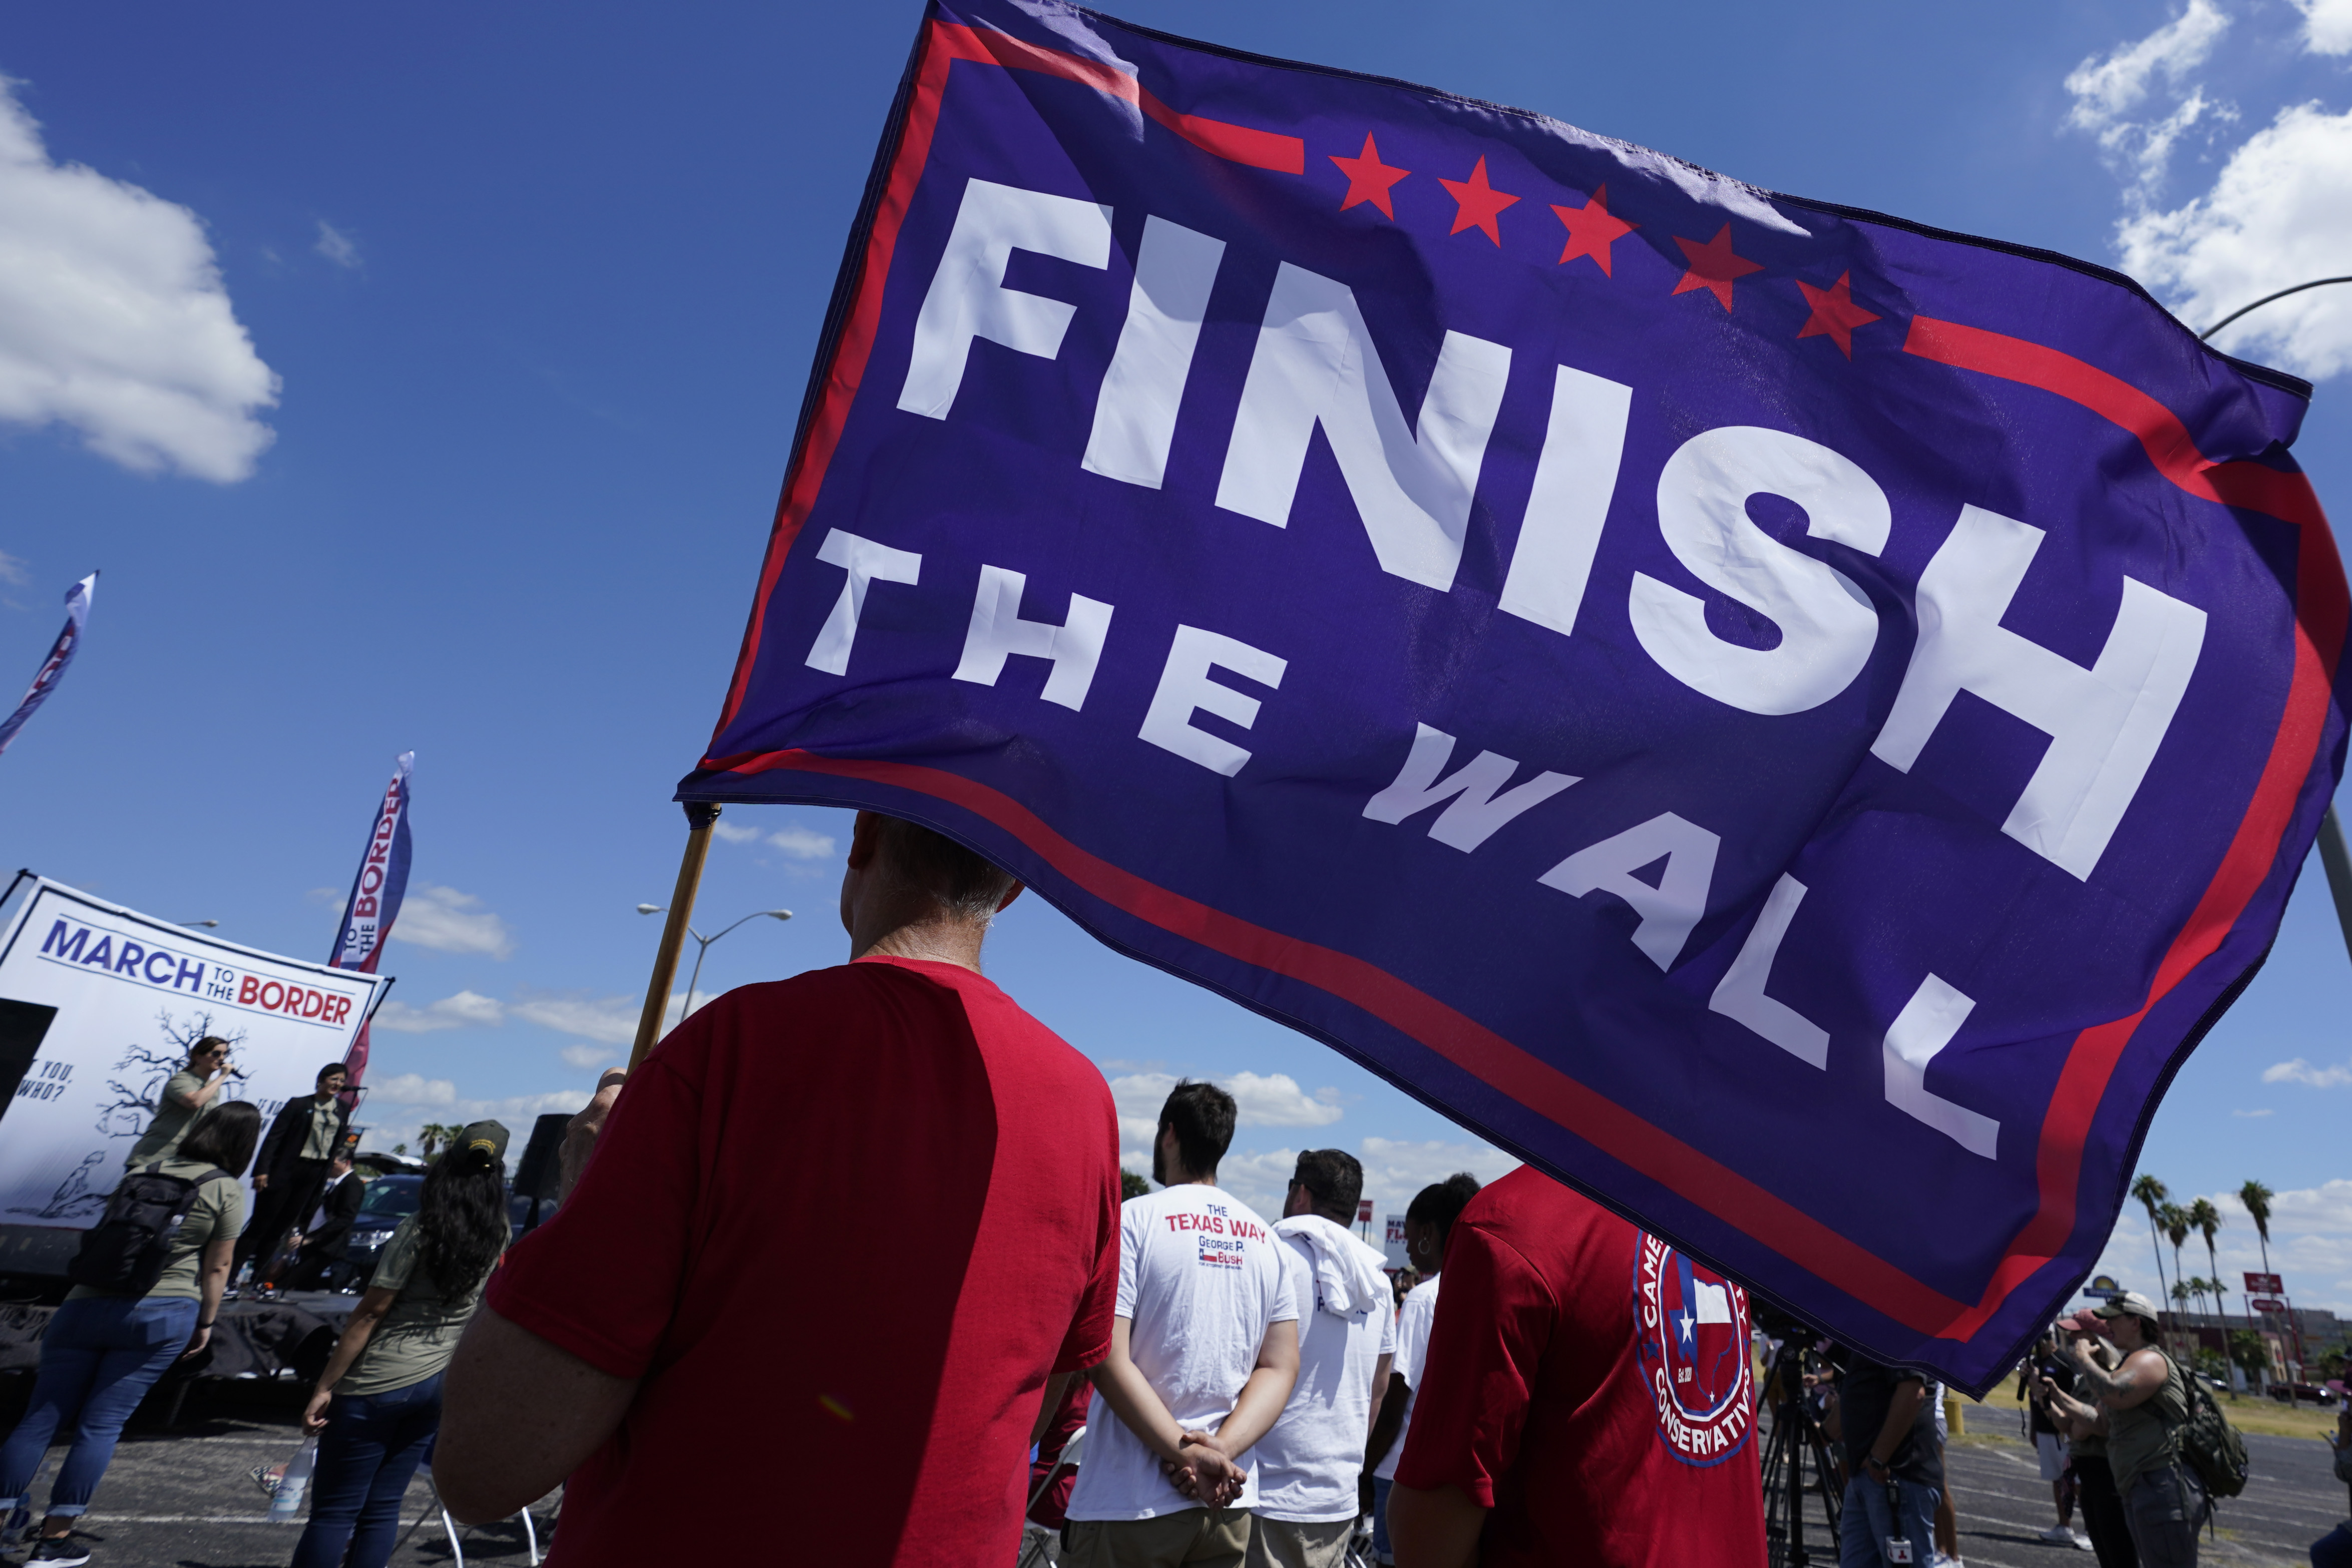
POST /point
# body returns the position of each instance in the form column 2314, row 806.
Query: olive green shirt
column 326, row 1119
column 2146, row 1438
column 219, row 1211
column 171, row 1121
column 420, row 1333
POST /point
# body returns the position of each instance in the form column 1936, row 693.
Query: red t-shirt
column 1590, row 1385
column 843, row 1226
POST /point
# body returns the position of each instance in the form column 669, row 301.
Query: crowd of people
column 151, row 1276
column 842, row 1272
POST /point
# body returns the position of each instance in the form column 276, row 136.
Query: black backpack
column 2210, row 1444
column 124, row 1252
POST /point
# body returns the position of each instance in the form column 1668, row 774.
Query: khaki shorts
column 1195, row 1537
column 1288, row 1543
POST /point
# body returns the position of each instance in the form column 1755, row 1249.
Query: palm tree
column 2208, row 1219
column 2151, row 1195
column 2182, row 1293
column 2256, row 1198
column 433, row 1134
column 2174, row 1221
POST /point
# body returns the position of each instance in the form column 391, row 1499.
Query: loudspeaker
column 23, row 1026
column 536, row 1176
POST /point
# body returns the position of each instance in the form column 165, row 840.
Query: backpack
column 124, row 1252
column 2208, row 1444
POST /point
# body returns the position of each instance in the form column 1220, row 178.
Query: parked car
column 2296, row 1393
column 389, row 1200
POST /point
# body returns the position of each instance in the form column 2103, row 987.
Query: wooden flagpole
column 699, row 816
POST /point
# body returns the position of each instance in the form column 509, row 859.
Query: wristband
column 203, row 1325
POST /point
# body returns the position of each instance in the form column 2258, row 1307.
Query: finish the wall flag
column 61, row 652
column 1793, row 721
column 376, row 892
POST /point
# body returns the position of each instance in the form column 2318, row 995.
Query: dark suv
column 389, row 1200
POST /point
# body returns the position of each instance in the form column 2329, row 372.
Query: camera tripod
column 1797, row 1441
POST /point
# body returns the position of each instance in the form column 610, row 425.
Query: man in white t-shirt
column 1428, row 1221
column 1309, row 1466
column 1203, row 1351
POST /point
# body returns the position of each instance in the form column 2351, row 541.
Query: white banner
column 131, row 995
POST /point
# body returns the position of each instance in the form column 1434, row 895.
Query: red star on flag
column 1835, row 314
column 1713, row 266
column 1477, row 202
column 1369, row 179
column 1592, row 230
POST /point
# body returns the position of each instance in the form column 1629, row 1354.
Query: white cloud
column 412, row 1089
column 13, row 572
column 803, row 844
column 447, row 920
column 1276, row 1100
column 2110, row 92
column 2105, row 91
column 391, row 1125
column 612, row 1020
column 2249, row 1114
column 2302, row 1071
column 113, row 319
column 2327, row 26
column 2278, row 214
column 336, row 245
column 733, row 833
column 588, row 1059
column 466, row 1008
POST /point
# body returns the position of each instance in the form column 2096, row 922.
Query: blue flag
column 377, row 890
column 1792, row 721
column 61, row 652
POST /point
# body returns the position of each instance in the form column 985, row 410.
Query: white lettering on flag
column 1740, row 994
column 1314, row 363
column 1135, row 418
column 2104, row 723
column 998, row 632
column 1669, row 910
column 1576, row 475
column 1476, row 811
column 1185, row 686
column 968, row 299
column 864, row 561
column 1827, row 624
column 1924, row 1027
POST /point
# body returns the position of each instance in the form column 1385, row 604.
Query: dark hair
column 930, row 863
column 341, row 1067
column 1441, row 1203
column 1335, row 1180
column 224, row 1136
column 461, row 1218
column 1202, row 1115
column 207, row 1043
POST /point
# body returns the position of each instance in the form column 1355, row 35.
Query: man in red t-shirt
column 841, row 1241
column 1588, row 1397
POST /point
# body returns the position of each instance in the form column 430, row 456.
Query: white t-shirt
column 1308, row 1466
column 1420, row 1311
column 1199, row 1283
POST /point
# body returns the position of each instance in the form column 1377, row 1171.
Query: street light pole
column 705, row 942
column 2332, row 854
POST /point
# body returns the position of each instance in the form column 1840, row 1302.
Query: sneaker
column 2059, row 1534
column 2083, row 1542
column 58, row 1552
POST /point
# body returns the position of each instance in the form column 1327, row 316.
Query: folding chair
column 449, row 1526
column 1034, row 1553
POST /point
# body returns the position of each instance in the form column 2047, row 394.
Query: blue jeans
column 99, row 1358
column 367, row 1457
column 1381, row 1550
column 2332, row 1549
column 1866, row 1521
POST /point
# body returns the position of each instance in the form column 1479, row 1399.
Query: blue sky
column 471, row 443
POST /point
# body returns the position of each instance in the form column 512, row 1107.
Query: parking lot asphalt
column 185, row 1497
column 2292, row 1499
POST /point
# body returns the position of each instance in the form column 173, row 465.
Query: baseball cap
column 490, row 1135
column 2128, row 1302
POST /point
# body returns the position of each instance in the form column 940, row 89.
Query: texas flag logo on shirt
column 1692, row 1329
